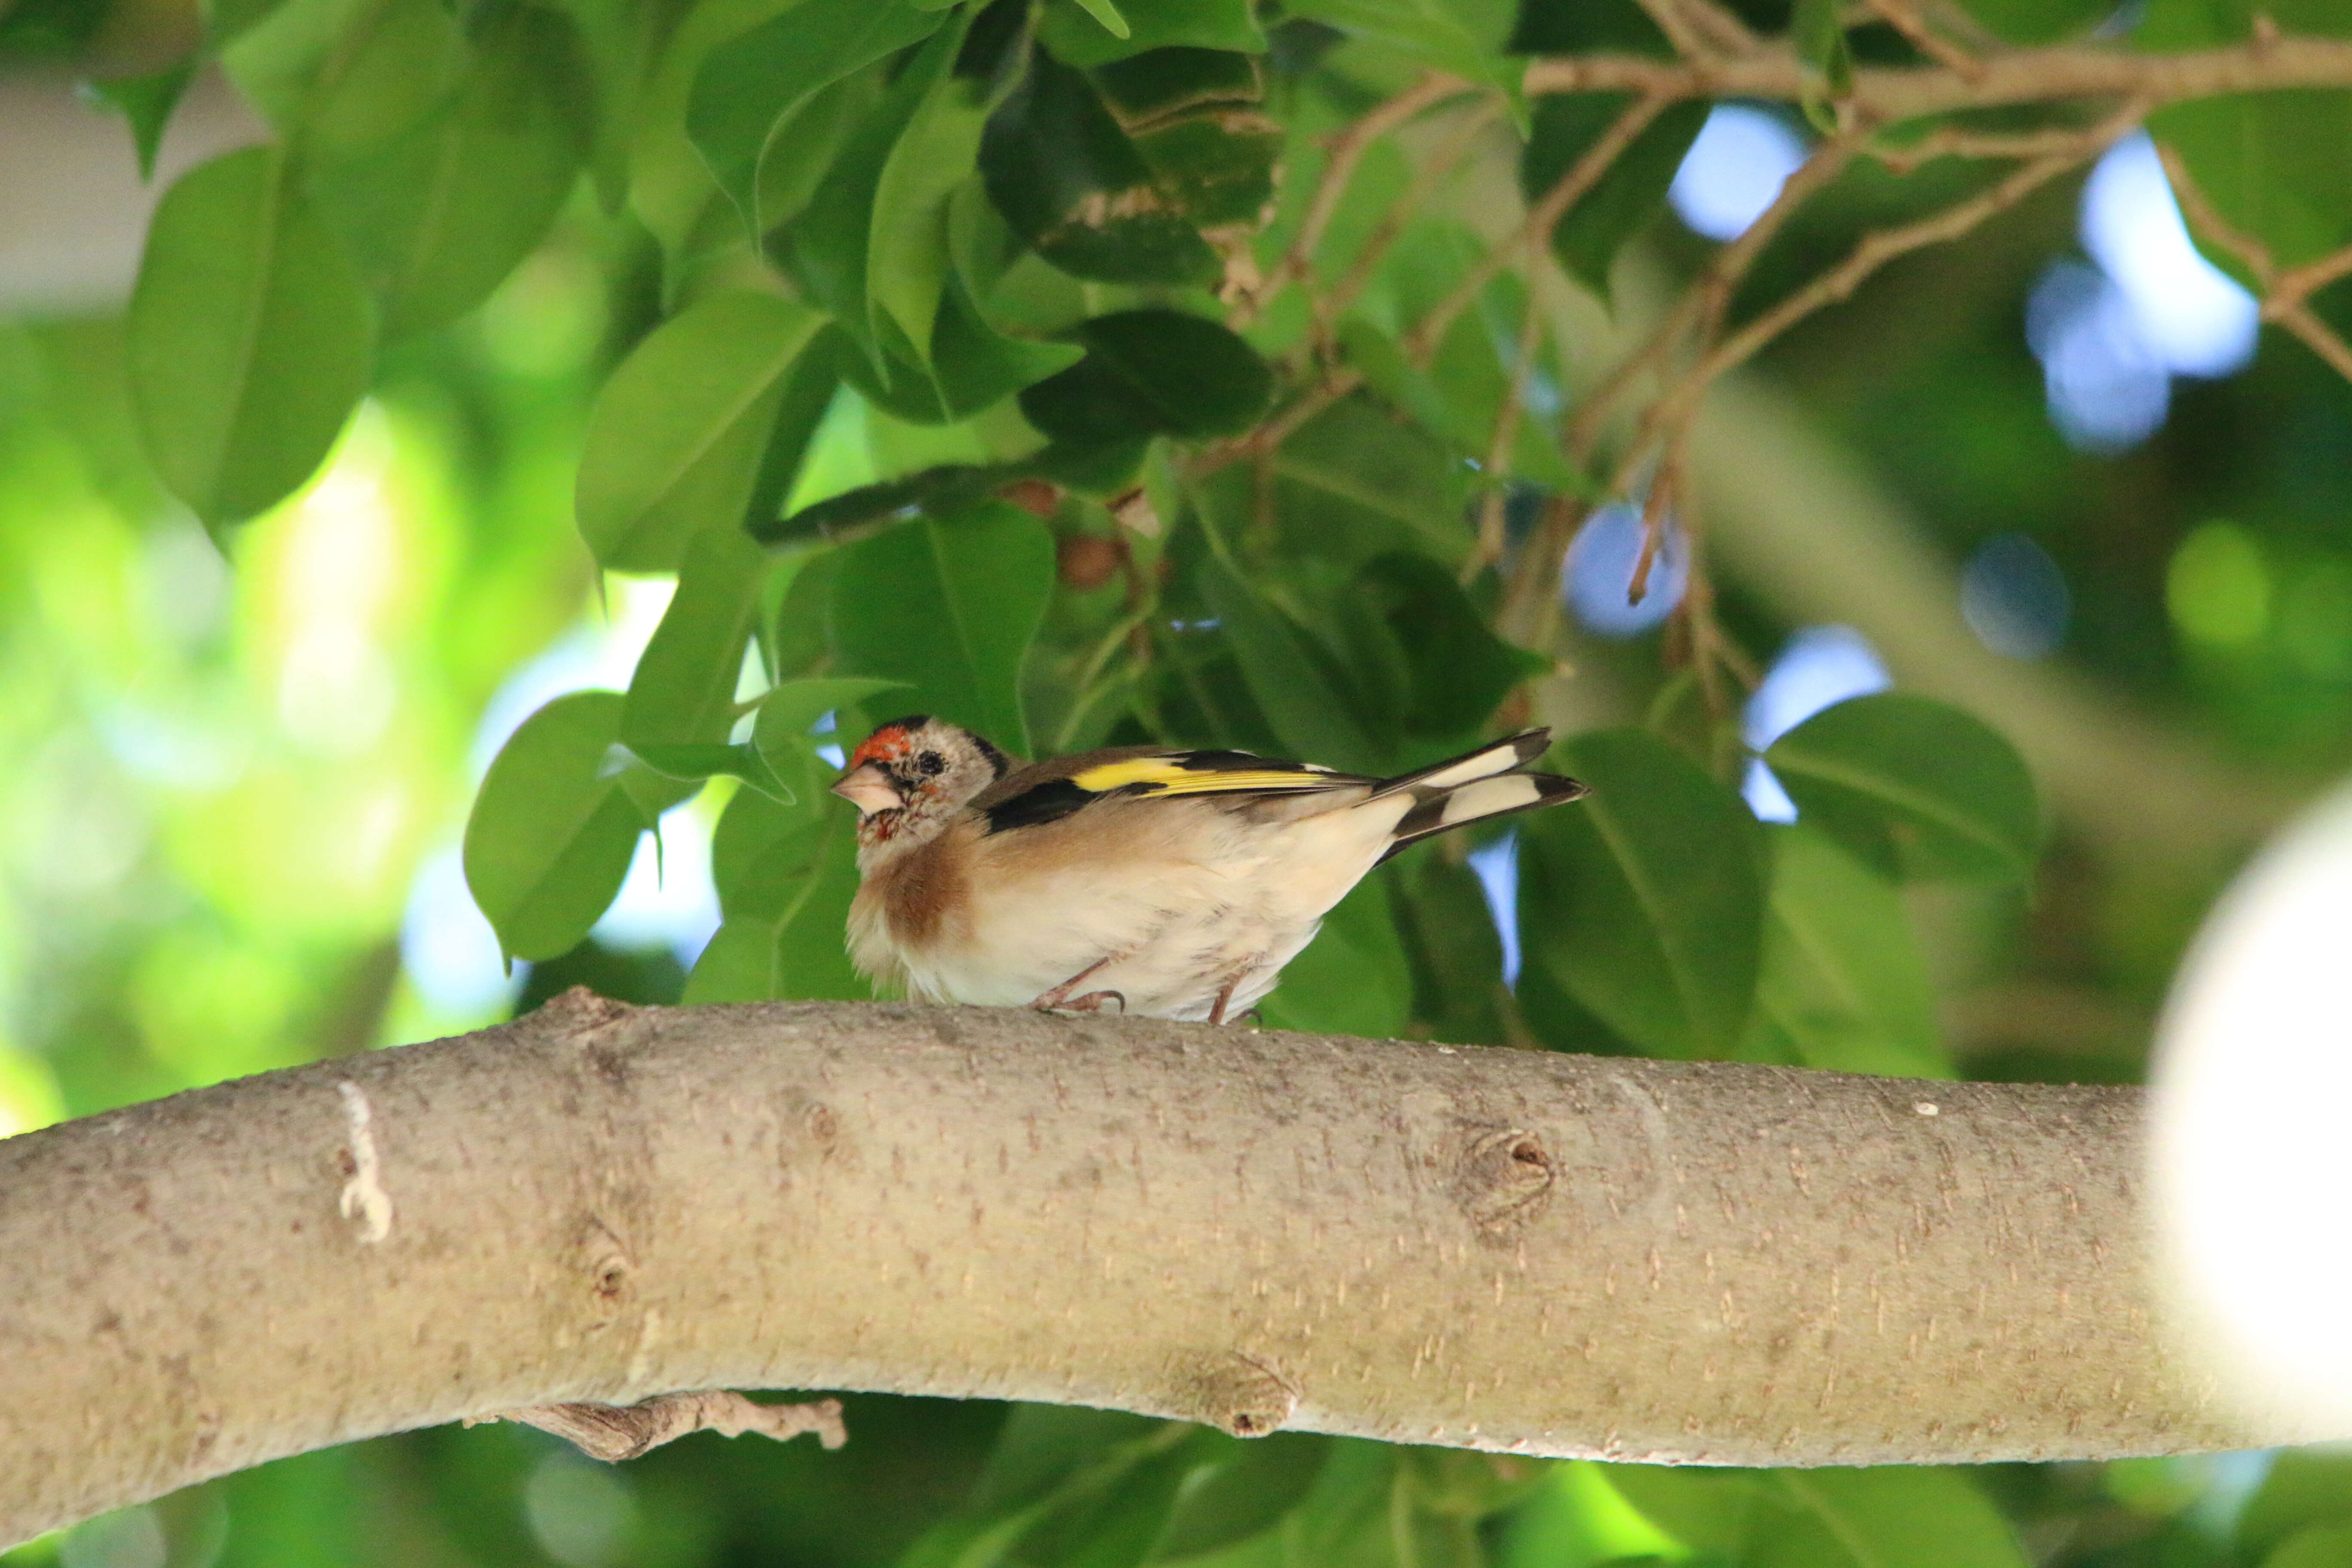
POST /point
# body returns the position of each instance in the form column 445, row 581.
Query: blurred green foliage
column 907, row 339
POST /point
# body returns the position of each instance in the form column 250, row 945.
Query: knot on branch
column 1237, row 1394
column 1504, row 1178
column 617, row 1432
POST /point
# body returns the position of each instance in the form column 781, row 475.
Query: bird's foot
column 1060, row 1000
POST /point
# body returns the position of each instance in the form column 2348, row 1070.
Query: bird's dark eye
column 931, row 764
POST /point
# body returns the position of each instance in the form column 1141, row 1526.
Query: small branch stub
column 617, row 1432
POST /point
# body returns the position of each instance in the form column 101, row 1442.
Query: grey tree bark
column 1509, row 1250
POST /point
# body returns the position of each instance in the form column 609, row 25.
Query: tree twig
column 1581, row 177
column 1425, row 181
column 1906, row 20
column 2285, row 294
column 1500, row 445
column 1346, row 151
column 1885, row 95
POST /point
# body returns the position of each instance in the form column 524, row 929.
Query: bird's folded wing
column 1156, row 775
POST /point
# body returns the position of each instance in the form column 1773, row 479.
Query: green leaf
column 556, row 822
column 1353, row 978
column 1352, row 483
column 1646, row 900
column 1894, row 1514
column 748, row 88
column 341, row 80
column 251, row 337
column 1625, row 201
column 1107, row 16
column 1457, row 670
column 683, row 691
column 2322, row 1546
column 1843, row 985
column 793, row 949
column 1247, row 1497
column 1818, row 36
column 1307, row 709
column 146, row 101
column 2304, row 1487
column 1916, row 788
column 1587, row 26
column 907, row 264
column 2048, row 21
column 2272, row 163
column 437, row 217
column 676, row 439
column 1444, row 33
column 834, row 246
column 1077, row 39
column 949, row 605
column 1065, row 176
column 1450, row 939
column 1153, row 371
column 782, row 732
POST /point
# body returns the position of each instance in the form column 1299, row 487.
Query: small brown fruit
column 1085, row 561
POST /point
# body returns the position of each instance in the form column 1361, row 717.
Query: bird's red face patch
column 885, row 745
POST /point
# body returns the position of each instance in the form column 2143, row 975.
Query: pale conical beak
column 870, row 789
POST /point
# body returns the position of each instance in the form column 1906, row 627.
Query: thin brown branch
column 1346, row 150
column 1669, row 17
column 1883, row 94
column 1425, row 181
column 1953, row 141
column 1906, row 20
column 1874, row 251
column 2285, row 294
column 1700, row 312
column 1581, row 177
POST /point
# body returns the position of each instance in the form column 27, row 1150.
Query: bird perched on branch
column 1163, row 883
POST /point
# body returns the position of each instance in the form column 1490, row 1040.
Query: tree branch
column 2285, row 294
column 1887, row 95
column 1510, row 1250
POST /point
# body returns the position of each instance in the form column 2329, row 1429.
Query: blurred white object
column 2252, row 1174
column 2196, row 319
column 1734, row 170
column 1820, row 667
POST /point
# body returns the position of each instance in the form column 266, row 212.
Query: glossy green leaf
column 675, row 440
column 1894, row 1514
column 146, row 103
column 251, row 337
column 1077, row 39
column 1353, row 483
column 1065, row 176
column 2321, row 1546
column 1843, row 984
column 1152, row 373
column 1625, row 201
column 791, row 948
column 871, row 245
column 1916, row 787
column 556, row 823
column 1445, row 33
column 1287, row 675
column 341, row 80
column 2045, row 21
column 931, row 158
column 1449, row 940
column 1353, row 978
column 1457, row 672
column 2272, row 163
column 1107, row 16
column 782, row 733
column 1246, row 1497
column 684, row 689
column 1817, row 34
column 2303, row 1487
column 949, row 606
column 1646, row 901
column 1586, row 26
column 747, row 88
column 438, row 216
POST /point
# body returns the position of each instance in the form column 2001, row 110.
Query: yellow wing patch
column 1169, row 776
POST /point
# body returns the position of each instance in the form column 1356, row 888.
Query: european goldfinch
column 1163, row 883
